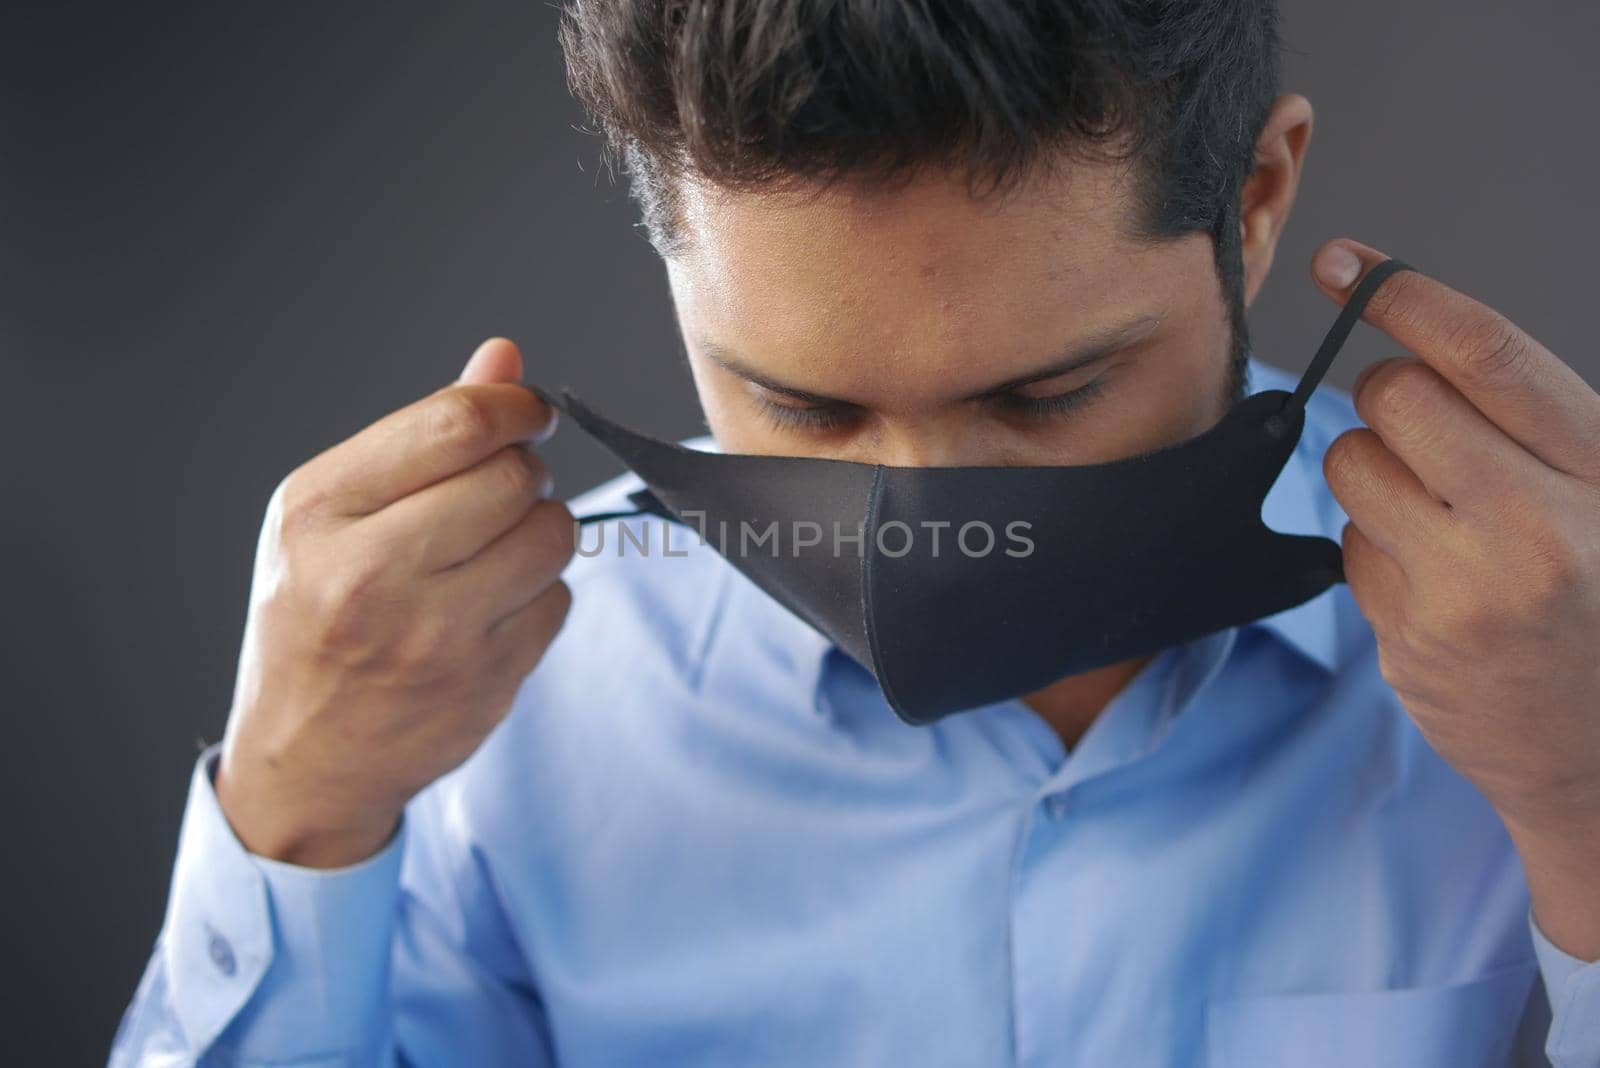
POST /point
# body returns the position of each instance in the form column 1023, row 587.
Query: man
column 483, row 800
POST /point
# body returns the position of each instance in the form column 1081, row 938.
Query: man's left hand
column 1473, row 549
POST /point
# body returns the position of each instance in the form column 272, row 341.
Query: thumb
column 496, row 360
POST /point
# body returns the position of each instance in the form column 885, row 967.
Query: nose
column 926, row 443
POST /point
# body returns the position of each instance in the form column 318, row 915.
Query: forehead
column 921, row 268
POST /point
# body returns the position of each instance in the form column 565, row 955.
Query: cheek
column 1185, row 390
column 1158, row 398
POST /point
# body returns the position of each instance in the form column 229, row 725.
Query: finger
column 517, row 642
column 1462, row 458
column 1377, row 581
column 513, row 569
column 451, row 520
column 1518, row 384
column 496, row 360
column 499, row 360
column 1382, row 496
column 431, row 439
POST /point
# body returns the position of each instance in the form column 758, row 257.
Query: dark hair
column 747, row 93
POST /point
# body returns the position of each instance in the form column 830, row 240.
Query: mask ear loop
column 649, row 504
column 1339, row 332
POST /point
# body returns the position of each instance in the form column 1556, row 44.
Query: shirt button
column 1055, row 806
column 221, row 953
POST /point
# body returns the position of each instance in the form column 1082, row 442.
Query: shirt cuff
column 296, row 958
column 1573, row 987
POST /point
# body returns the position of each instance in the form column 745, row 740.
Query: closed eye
column 831, row 417
column 795, row 417
column 1054, row 404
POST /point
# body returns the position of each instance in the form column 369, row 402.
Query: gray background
column 230, row 239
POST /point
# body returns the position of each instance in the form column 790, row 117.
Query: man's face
column 922, row 327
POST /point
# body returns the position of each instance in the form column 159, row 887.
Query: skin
column 860, row 325
column 1473, row 549
column 1473, row 492
column 407, row 579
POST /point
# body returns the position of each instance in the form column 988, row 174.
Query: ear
column 1269, row 191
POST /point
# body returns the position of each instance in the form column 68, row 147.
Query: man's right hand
column 406, row 581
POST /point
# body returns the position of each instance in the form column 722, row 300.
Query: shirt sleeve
column 1573, row 987
column 260, row 962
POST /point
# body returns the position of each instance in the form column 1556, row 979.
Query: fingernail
column 1337, row 267
column 547, row 481
column 542, row 435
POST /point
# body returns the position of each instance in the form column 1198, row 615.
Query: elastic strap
column 1341, row 328
column 600, row 517
column 646, row 503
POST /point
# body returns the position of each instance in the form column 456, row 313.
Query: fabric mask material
column 961, row 586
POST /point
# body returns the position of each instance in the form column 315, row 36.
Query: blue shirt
column 701, row 837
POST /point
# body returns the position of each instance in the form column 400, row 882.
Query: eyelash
column 1053, row 405
column 788, row 417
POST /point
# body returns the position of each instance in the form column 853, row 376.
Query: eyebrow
column 1082, row 353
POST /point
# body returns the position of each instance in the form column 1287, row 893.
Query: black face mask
column 960, row 586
